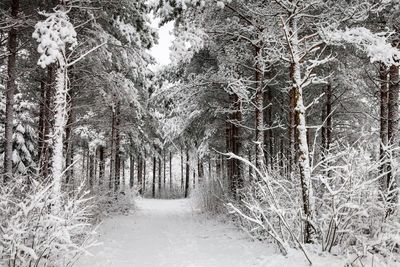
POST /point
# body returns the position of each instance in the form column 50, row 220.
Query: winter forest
column 270, row 137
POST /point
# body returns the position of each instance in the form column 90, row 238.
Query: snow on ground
column 168, row 233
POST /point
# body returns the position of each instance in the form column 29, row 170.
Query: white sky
column 161, row 51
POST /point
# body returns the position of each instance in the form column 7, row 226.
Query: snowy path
column 167, row 233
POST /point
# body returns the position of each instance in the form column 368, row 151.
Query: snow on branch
column 53, row 35
column 374, row 44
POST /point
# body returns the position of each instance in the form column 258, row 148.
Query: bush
column 351, row 207
column 109, row 203
column 33, row 234
column 209, row 196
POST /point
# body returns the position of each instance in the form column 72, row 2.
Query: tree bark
column 159, row 175
column 139, row 174
column 101, row 165
column 68, row 142
column 131, row 170
column 300, row 122
column 153, row 192
column 117, row 147
column 268, row 134
column 182, row 179
column 10, row 91
column 259, row 103
column 187, row 174
column 60, row 121
column 91, row 170
column 393, row 121
column 292, row 126
column 164, row 168
column 144, row 172
column 123, row 175
column 170, row 171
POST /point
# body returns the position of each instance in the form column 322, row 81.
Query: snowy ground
column 168, row 233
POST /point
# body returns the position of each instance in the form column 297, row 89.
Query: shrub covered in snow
column 33, row 235
column 351, row 217
column 209, row 196
column 108, row 203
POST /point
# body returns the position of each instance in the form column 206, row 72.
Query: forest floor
column 169, row 233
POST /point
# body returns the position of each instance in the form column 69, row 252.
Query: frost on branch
column 374, row 44
column 127, row 30
column 188, row 42
column 53, row 34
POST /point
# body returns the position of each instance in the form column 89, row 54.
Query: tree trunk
column 47, row 117
column 117, row 147
column 210, row 175
column 131, row 170
column 292, row 126
column 300, row 122
column 259, row 103
column 10, row 91
column 101, row 165
column 164, row 168
column 113, row 149
column 68, row 142
column 200, row 170
column 170, row 172
column 187, row 174
column 60, row 121
column 194, row 178
column 393, row 121
column 268, row 134
column 91, row 170
column 159, row 175
column 144, row 172
column 153, row 192
column 139, row 174
column 182, row 179
column 123, row 175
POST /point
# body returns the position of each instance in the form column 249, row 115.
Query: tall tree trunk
column 393, row 122
column 233, row 145
column 200, row 170
column 164, row 168
column 47, row 120
column 117, row 146
column 113, row 149
column 102, row 165
column 12, row 46
column 139, row 173
column 210, row 174
column 131, row 170
column 187, row 174
column 292, row 126
column 194, row 178
column 182, row 178
column 144, row 172
column 170, row 172
column 42, row 119
column 153, row 192
column 268, row 134
column 326, row 132
column 159, row 175
column 259, row 103
column 60, row 121
column 91, row 170
column 300, row 122
column 250, row 168
column 123, row 175
column 68, row 141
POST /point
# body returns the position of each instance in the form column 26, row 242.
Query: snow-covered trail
column 167, row 233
